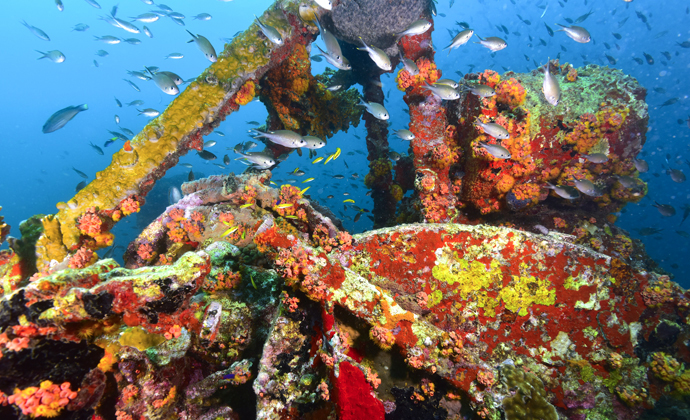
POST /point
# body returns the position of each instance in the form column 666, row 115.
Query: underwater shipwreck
column 482, row 294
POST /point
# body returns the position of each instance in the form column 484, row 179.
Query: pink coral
column 82, row 258
column 145, row 251
column 89, row 223
column 129, row 206
column 47, row 400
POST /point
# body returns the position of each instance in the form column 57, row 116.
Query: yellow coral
column 524, row 291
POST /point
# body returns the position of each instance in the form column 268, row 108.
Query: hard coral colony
column 248, row 299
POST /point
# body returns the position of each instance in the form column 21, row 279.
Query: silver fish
column 60, row 7
column 147, row 31
column 62, row 117
column 176, row 15
column 257, row 159
column 493, row 43
column 164, row 83
column 80, row 173
column 96, row 148
column 210, row 143
column 666, row 210
column 126, row 26
column 676, row 175
column 175, row 78
column 404, row 134
column 108, row 39
column 80, row 27
column 596, row 158
column 54, row 55
column 416, row 28
column 174, row 195
column 117, row 119
column 138, row 75
column 326, row 4
column 339, row 64
column 132, row 41
column 146, row 17
column 135, row 87
column 202, row 16
column 576, row 33
column 460, row 39
column 641, row 165
column 494, row 130
column 270, row 32
column 284, row 138
column 377, row 55
column 626, row 181
column 206, row 155
column 36, row 31
column 495, row 150
column 443, row 91
column 375, row 109
column 205, row 47
column 483, row 91
column 587, row 187
column 175, row 56
column 136, row 102
column 332, row 45
column 564, row 191
column 102, row 53
column 409, row 65
column 313, row 142
column 551, row 88
column 149, row 112
column 93, row 3
column 447, row 82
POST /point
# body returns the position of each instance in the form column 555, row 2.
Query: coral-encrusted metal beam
column 432, row 154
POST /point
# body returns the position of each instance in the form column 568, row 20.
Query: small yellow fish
column 272, row 183
column 284, row 206
column 230, row 231
column 295, row 171
column 337, row 153
column 317, row 160
column 304, row 190
column 290, row 216
column 253, row 284
column 330, row 158
column 244, row 206
column 308, row 180
column 349, row 200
